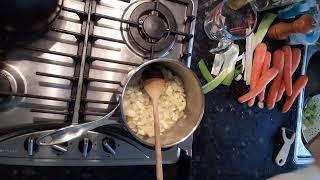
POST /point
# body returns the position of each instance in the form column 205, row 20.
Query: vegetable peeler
column 284, row 151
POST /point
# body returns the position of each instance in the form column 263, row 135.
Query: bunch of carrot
column 284, row 63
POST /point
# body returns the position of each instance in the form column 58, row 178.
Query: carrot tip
column 240, row 100
column 270, row 107
column 261, row 105
column 289, row 93
column 251, row 102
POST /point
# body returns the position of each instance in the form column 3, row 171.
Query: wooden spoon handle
column 157, row 140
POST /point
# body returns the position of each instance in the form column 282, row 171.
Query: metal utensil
column 177, row 134
column 284, row 151
column 194, row 109
column 74, row 131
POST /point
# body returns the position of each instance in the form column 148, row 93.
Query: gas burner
column 6, row 85
column 151, row 37
column 11, row 81
column 154, row 27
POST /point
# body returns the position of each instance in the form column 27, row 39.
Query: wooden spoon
column 154, row 84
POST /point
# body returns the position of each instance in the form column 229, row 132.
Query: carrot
column 287, row 77
column 300, row 83
column 277, row 62
column 256, row 71
column 281, row 91
column 296, row 57
column 265, row 67
column 261, row 85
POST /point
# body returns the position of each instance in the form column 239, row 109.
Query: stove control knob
column 85, row 146
column 60, row 148
column 30, row 145
column 109, row 145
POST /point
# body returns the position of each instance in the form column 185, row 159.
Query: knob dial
column 85, row 147
column 30, row 145
column 60, row 148
column 109, row 145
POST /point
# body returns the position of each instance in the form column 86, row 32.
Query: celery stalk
column 235, row 72
column 228, row 80
column 204, row 71
column 238, row 70
column 263, row 28
column 215, row 82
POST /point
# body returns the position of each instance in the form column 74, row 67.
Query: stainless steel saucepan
column 180, row 132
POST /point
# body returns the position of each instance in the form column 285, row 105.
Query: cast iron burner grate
column 152, row 34
column 19, row 92
column 149, row 48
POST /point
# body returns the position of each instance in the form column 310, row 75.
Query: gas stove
column 71, row 73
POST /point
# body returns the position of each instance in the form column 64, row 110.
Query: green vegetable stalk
column 263, row 28
column 215, row 82
column 228, row 80
column 212, row 82
column 238, row 70
column 204, row 71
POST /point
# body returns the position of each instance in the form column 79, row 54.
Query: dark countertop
column 233, row 141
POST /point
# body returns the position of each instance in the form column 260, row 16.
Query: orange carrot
column 261, row 85
column 287, row 77
column 277, row 62
column 281, row 91
column 265, row 67
column 300, row 83
column 296, row 57
column 258, row 59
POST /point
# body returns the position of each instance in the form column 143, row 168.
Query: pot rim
column 181, row 65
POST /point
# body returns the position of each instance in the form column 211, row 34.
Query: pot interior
column 194, row 100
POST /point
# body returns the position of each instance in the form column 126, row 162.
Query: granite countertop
column 232, row 142
column 235, row 141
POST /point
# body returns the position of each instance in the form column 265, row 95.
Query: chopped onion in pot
column 138, row 107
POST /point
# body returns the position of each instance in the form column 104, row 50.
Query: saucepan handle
column 74, row 131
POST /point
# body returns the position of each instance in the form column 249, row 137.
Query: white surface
column 310, row 131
